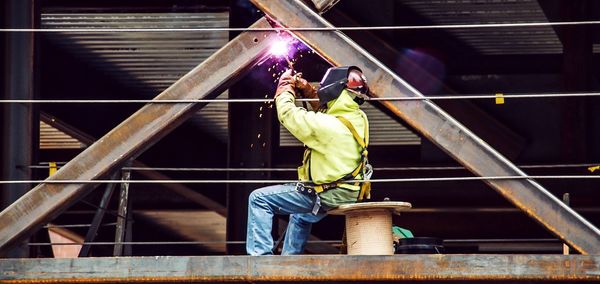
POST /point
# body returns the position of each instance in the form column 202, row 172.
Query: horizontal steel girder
column 437, row 126
column 136, row 134
column 301, row 268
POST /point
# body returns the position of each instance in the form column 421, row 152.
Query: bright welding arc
column 281, row 48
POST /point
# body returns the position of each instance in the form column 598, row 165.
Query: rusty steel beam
column 169, row 269
column 439, row 127
column 182, row 190
column 502, row 138
column 134, row 135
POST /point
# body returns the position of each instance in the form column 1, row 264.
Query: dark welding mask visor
column 336, row 79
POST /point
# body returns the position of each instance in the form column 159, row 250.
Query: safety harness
column 363, row 167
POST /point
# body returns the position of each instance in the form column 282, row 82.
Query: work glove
column 286, row 83
column 306, row 89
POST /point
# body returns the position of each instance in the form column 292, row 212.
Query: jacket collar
column 343, row 104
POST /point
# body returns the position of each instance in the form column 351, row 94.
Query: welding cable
column 423, row 168
column 307, row 29
column 251, row 181
column 419, row 98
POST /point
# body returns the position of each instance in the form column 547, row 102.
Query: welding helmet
column 337, row 79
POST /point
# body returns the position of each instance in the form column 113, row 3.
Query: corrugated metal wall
column 145, row 62
column 530, row 40
column 149, row 62
column 52, row 138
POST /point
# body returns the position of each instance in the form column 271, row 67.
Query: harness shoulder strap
column 365, row 187
column 348, row 124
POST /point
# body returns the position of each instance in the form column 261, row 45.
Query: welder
column 334, row 169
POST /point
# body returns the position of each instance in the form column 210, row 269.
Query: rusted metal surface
column 439, row 127
column 134, row 135
column 302, row 268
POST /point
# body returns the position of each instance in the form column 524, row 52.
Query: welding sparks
column 280, row 48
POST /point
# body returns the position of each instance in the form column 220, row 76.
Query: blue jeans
column 283, row 199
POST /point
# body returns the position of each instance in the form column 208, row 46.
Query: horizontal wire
column 425, row 179
column 500, row 240
column 425, row 168
column 165, row 243
column 250, row 29
column 310, row 241
column 179, row 101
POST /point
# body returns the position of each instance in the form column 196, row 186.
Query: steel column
column 18, row 120
column 169, row 269
column 439, row 127
column 135, row 134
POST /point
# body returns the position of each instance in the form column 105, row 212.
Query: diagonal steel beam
column 488, row 128
column 135, row 134
column 184, row 191
column 439, row 127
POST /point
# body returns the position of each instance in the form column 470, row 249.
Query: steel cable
column 165, row 243
column 449, row 241
column 318, row 29
column 179, row 101
column 423, row 168
column 239, row 181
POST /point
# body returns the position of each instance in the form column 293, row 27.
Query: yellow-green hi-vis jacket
column 334, row 151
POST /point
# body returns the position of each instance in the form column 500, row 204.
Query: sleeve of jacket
column 311, row 128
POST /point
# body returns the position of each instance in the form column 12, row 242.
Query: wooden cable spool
column 369, row 226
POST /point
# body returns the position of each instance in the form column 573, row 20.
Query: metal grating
column 492, row 41
column 384, row 131
column 145, row 62
column 52, row 138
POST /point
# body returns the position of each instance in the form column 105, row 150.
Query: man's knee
column 253, row 197
column 256, row 197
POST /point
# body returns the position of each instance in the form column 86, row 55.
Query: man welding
column 336, row 137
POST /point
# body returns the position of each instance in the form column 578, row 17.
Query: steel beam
column 439, row 127
column 184, row 191
column 488, row 128
column 168, row 269
column 136, row 134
